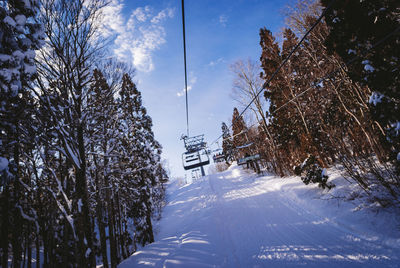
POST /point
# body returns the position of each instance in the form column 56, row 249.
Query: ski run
column 238, row 219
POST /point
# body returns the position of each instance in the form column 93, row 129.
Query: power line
column 184, row 59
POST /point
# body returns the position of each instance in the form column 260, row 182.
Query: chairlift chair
column 196, row 154
column 195, row 159
column 220, row 157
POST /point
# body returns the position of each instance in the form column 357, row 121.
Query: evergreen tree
column 239, row 134
column 141, row 146
column 20, row 35
column 227, row 144
column 357, row 26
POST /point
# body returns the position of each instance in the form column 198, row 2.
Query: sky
column 148, row 35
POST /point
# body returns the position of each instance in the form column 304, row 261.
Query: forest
column 81, row 171
column 81, row 174
column 334, row 103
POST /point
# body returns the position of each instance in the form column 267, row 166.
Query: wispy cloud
column 192, row 81
column 215, row 62
column 135, row 38
column 223, row 19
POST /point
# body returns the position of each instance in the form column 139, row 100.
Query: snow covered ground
column 236, row 219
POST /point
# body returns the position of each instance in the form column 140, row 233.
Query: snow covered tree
column 143, row 154
column 239, row 134
column 74, row 158
column 64, row 66
column 227, row 144
column 20, row 35
column 102, row 138
column 369, row 29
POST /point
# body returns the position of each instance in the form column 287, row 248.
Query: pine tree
column 270, row 60
column 227, row 144
column 239, row 134
column 137, row 124
column 102, row 120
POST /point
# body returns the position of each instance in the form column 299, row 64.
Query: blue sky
column 148, row 34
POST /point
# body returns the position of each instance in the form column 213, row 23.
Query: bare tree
column 73, row 44
column 246, row 85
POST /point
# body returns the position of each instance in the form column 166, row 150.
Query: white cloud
column 182, row 92
column 192, row 81
column 215, row 62
column 136, row 38
column 112, row 20
column 141, row 14
column 223, row 19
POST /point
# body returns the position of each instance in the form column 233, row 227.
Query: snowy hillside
column 235, row 219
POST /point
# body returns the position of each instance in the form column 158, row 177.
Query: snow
column 6, row 75
column 30, row 54
column 30, row 69
column 88, row 251
column 235, row 219
column 20, row 19
column 367, row 66
column 8, row 20
column 4, row 57
column 27, row 3
column 351, row 51
column 324, row 172
column 80, row 205
column 3, row 163
column 18, row 54
column 375, row 98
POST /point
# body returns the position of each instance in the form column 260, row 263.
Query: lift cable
column 184, row 59
column 315, row 83
column 266, row 84
column 329, row 75
column 349, row 62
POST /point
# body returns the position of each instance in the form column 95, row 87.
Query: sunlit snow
column 236, row 219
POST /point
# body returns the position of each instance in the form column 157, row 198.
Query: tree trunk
column 113, row 246
column 17, row 223
column 5, row 226
column 102, row 231
column 29, row 242
column 84, row 226
column 37, row 249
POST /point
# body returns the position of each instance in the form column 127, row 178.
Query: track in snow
column 233, row 220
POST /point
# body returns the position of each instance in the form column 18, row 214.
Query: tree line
column 335, row 101
column 81, row 172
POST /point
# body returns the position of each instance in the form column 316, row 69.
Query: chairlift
column 219, row 157
column 196, row 155
column 195, row 159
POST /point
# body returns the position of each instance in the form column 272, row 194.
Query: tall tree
column 370, row 29
column 247, row 84
column 141, row 142
column 239, row 134
column 227, row 143
column 20, row 35
column 72, row 45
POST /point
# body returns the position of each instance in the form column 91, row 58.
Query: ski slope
column 235, row 219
